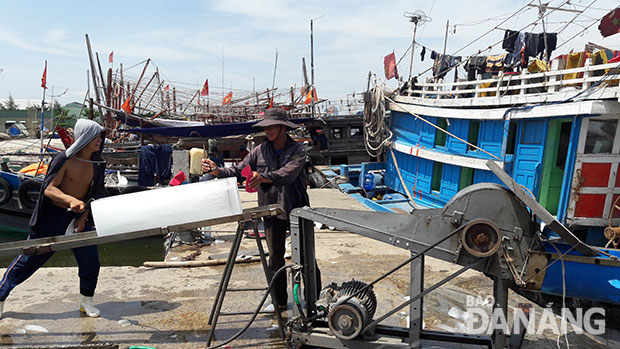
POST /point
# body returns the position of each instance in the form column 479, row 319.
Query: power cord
column 260, row 305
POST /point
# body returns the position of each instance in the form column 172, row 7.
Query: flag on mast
column 44, row 77
column 389, row 66
column 111, row 57
column 310, row 96
column 227, row 99
column 205, row 89
column 127, row 105
column 610, row 24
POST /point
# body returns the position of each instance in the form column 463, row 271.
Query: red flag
column 227, row 99
column 127, row 106
column 310, row 95
column 610, row 24
column 167, row 88
column 111, row 58
column 205, row 89
column 44, row 77
column 270, row 103
column 389, row 66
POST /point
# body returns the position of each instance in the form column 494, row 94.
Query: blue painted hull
column 582, row 280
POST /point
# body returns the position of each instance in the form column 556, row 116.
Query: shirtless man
column 73, row 177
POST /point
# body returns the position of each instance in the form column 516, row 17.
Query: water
column 124, row 253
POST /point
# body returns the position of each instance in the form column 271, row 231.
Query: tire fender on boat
column 6, row 191
column 25, row 187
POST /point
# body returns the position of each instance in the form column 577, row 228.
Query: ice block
column 167, row 206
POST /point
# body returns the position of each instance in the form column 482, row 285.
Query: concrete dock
column 169, row 307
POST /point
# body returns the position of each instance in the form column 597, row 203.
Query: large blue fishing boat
column 552, row 125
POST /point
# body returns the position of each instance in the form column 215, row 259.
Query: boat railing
column 521, row 87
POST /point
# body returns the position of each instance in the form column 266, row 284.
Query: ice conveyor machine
column 485, row 227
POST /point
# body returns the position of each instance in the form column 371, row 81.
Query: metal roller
column 481, row 238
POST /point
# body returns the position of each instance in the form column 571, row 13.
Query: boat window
column 337, row 133
column 512, row 138
column 563, row 146
column 467, row 177
column 440, row 136
column 436, row 180
column 356, row 131
column 600, row 137
column 472, row 134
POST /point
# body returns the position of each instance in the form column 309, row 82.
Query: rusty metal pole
column 101, row 77
column 93, row 73
column 145, row 87
column 108, row 101
column 122, row 88
column 133, row 93
column 174, row 99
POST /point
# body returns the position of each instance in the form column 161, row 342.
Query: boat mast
column 417, row 17
column 312, row 64
column 275, row 67
column 541, row 14
column 445, row 40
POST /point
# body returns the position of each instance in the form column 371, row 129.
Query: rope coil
column 376, row 132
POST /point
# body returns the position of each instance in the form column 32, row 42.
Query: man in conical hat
column 74, row 177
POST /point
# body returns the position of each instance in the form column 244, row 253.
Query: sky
column 190, row 40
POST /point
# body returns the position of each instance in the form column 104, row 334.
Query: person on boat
column 74, row 177
column 279, row 178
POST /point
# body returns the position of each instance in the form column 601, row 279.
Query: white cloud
column 13, row 39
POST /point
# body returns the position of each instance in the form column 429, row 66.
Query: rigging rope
column 377, row 133
column 518, row 12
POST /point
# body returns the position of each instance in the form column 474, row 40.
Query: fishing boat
column 551, row 124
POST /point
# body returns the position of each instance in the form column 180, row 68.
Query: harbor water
column 124, row 253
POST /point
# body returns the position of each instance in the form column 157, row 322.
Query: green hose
column 296, row 294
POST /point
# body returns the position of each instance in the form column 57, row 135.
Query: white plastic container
column 195, row 161
column 167, row 206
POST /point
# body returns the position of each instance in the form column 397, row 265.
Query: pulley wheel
column 346, row 321
column 481, row 238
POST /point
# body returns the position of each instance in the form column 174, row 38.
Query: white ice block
column 167, row 206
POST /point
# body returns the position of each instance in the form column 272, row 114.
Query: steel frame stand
column 224, row 281
column 317, row 334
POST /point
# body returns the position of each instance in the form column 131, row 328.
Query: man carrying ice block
column 74, row 177
column 277, row 174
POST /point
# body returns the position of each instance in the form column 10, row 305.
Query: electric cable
column 260, row 305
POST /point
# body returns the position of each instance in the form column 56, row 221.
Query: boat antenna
column 542, row 8
column 417, row 18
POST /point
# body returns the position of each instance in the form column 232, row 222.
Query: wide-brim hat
column 275, row 116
